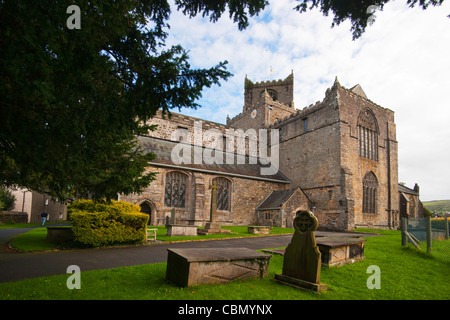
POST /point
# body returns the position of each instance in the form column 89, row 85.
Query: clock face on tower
column 253, row 114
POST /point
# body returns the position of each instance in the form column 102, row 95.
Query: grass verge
column 35, row 239
column 405, row 275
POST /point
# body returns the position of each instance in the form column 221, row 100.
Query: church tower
column 264, row 103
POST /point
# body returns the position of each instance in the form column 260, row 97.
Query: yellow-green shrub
column 99, row 224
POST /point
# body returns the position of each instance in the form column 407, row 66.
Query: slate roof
column 402, row 188
column 163, row 150
column 276, row 199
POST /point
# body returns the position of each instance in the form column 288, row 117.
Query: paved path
column 15, row 266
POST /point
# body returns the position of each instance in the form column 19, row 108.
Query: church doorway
column 147, row 209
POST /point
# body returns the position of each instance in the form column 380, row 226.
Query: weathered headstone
column 213, row 226
column 172, row 216
column 178, row 230
column 167, row 220
column 302, row 258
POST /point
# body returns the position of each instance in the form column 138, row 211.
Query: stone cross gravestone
column 213, row 226
column 302, row 258
column 172, row 216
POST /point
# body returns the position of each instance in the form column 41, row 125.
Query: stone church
column 337, row 158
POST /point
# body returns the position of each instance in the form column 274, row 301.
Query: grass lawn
column 405, row 274
column 34, row 240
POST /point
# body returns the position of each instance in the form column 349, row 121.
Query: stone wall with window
column 188, row 193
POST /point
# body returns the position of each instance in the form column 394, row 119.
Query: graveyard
column 367, row 264
column 405, row 275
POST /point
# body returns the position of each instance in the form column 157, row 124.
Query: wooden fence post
column 429, row 235
column 404, row 226
column 446, row 228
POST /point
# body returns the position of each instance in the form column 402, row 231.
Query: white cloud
column 402, row 63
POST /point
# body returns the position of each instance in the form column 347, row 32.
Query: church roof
column 404, row 189
column 163, row 150
column 276, row 199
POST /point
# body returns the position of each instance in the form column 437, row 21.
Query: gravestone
column 172, row 216
column 213, row 226
column 302, row 258
column 178, row 230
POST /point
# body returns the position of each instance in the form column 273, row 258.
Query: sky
column 402, row 62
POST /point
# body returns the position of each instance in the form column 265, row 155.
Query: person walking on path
column 44, row 217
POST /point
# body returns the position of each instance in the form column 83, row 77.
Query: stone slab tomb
column 193, row 266
column 338, row 251
column 176, row 230
column 258, row 229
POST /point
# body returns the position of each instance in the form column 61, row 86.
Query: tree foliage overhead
column 355, row 10
column 72, row 101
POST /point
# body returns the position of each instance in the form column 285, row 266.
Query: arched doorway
column 147, row 209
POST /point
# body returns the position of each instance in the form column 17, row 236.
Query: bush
column 7, row 199
column 98, row 224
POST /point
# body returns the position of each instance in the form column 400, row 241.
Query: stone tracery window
column 223, row 193
column 368, row 135
column 370, row 186
column 175, row 189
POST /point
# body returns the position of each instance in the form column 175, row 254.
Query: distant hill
column 438, row 205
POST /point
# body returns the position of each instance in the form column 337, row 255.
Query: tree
column 75, row 95
column 7, row 199
column 357, row 11
column 74, row 99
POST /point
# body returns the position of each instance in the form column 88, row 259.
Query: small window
column 305, row 124
column 182, row 134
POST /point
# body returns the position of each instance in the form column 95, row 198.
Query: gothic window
column 175, row 190
column 370, row 185
column 368, row 135
column 223, row 193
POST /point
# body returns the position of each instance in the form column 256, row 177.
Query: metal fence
column 427, row 234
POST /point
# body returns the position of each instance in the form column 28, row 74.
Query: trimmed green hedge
column 99, row 224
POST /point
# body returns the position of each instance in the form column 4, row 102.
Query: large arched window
column 368, row 135
column 175, row 189
column 223, row 193
column 370, row 185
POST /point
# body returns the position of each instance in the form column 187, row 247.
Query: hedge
column 99, row 224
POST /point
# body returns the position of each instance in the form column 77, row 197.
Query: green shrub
column 7, row 199
column 98, row 224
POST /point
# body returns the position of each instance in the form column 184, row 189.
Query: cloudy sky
column 402, row 62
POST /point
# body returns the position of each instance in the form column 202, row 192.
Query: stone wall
column 246, row 195
column 8, row 217
column 385, row 168
column 319, row 152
